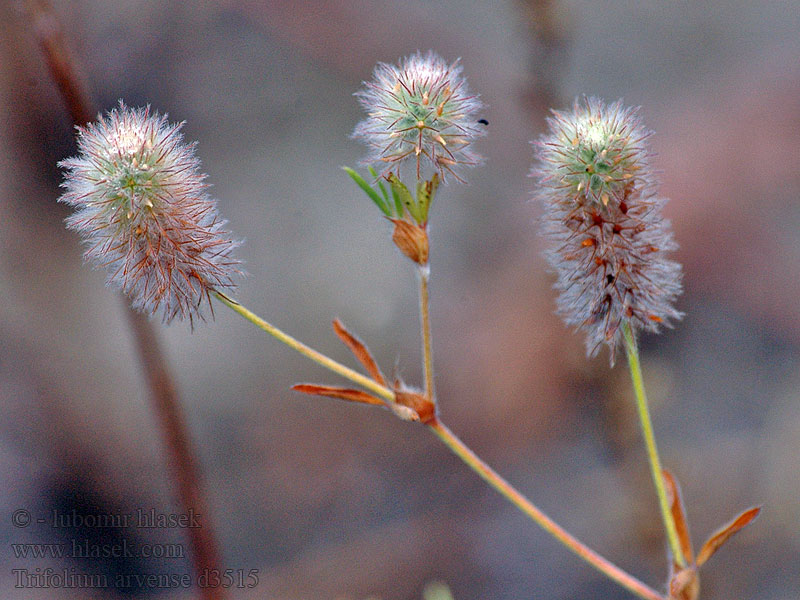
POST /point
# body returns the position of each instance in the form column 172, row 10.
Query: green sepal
column 369, row 191
column 400, row 191
column 426, row 190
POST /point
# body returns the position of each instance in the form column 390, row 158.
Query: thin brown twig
column 205, row 551
column 163, row 394
column 60, row 63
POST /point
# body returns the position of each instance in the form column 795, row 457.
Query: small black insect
column 483, row 121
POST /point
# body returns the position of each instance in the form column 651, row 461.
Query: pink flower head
column 142, row 209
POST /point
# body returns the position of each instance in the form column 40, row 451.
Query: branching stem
column 464, row 453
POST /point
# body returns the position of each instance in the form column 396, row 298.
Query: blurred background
column 334, row 501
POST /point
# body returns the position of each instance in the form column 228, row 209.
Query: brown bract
column 412, row 240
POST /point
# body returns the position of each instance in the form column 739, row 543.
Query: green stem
column 306, row 351
column 650, row 442
column 606, row 567
column 425, row 323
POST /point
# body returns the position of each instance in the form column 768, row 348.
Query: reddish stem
column 205, row 554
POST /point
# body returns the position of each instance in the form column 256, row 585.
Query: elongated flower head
column 609, row 241
column 420, row 112
column 142, row 209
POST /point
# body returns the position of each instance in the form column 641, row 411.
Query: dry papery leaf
column 417, row 402
column 679, row 515
column 724, row 533
column 328, row 391
column 684, row 584
column 359, row 350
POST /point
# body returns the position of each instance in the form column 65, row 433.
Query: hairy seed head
column 142, row 209
column 609, row 241
column 420, row 112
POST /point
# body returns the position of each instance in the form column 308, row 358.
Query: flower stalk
column 425, row 324
column 179, row 449
column 650, row 443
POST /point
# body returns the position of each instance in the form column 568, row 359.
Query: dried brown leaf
column 359, row 350
column 678, row 515
column 337, row 392
column 723, row 534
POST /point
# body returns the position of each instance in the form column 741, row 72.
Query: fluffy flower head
column 420, row 112
column 596, row 151
column 609, row 241
column 142, row 209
